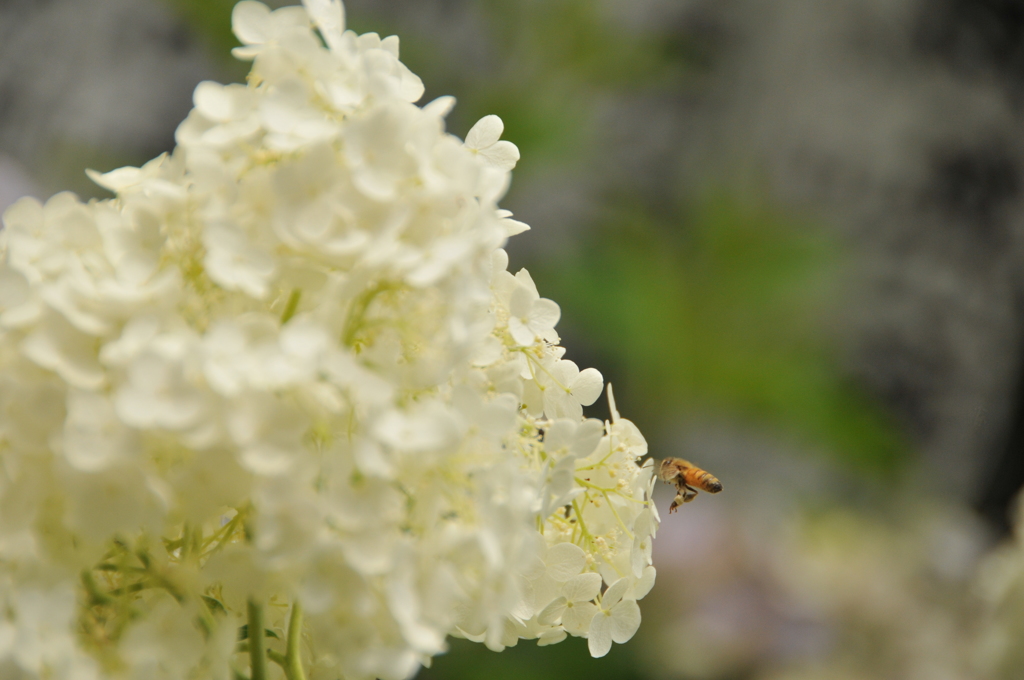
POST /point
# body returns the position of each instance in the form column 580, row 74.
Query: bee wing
column 668, row 470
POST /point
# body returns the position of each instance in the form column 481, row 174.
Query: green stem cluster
column 255, row 644
column 113, row 587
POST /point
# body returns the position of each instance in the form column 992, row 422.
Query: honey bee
column 685, row 476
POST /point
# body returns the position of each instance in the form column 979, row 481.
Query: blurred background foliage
column 723, row 309
column 776, row 291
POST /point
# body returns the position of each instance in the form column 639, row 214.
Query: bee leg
column 684, row 494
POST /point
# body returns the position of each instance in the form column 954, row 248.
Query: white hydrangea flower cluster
column 283, row 388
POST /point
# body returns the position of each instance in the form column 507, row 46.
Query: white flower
column 566, row 389
column 574, row 609
column 565, row 560
column 329, row 18
column 235, row 263
column 42, row 641
column 287, row 365
column 56, row 345
column 258, row 28
column 94, row 437
column 157, row 391
column 483, row 139
column 616, row 620
column 530, row 316
column 566, row 440
column 163, row 625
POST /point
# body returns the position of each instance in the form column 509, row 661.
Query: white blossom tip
column 329, row 17
column 248, row 22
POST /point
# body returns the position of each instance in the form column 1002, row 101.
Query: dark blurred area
column 790, row 233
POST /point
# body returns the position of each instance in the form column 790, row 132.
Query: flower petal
column 583, row 587
column 551, row 637
column 521, row 302
column 646, row 582
column 249, row 21
column 440, row 107
column 625, row 620
column 485, row 133
column 553, row 612
column 599, row 637
column 565, row 560
column 329, row 17
column 502, row 155
column 545, row 314
column 615, row 593
column 576, row 619
column 588, row 386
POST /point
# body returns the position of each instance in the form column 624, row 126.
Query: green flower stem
column 257, row 651
column 291, row 306
column 595, row 487
column 222, row 537
column 96, row 596
column 293, row 661
column 581, row 524
column 611, row 450
column 611, row 506
column 357, row 311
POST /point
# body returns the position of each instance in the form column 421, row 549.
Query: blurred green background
column 807, row 290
